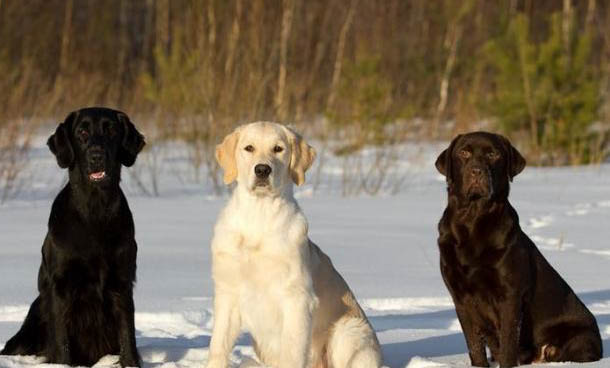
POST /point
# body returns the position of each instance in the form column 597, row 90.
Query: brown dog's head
column 479, row 166
column 93, row 143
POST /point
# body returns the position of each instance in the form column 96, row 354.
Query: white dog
column 269, row 278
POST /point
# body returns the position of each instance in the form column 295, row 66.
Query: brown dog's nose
column 262, row 171
column 476, row 171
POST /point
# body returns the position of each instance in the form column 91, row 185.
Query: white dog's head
column 263, row 157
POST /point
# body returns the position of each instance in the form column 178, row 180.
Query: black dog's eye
column 249, row 148
column 465, row 154
column 278, row 149
column 109, row 128
column 84, row 134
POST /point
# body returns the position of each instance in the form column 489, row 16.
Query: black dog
column 85, row 309
column 506, row 295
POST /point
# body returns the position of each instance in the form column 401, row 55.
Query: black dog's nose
column 96, row 156
column 262, row 171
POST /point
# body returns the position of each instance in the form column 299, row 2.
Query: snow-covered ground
column 384, row 246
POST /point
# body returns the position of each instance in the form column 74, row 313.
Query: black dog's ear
column 59, row 142
column 132, row 143
column 444, row 162
column 515, row 161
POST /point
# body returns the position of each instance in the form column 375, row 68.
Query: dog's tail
column 353, row 344
column 30, row 338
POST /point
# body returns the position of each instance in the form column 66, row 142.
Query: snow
column 384, row 246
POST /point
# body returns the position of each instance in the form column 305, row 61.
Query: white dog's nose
column 262, row 171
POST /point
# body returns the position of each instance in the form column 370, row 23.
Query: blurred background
column 351, row 74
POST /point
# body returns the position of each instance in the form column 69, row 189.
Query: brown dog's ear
column 225, row 155
column 59, row 142
column 302, row 156
column 132, row 143
column 444, row 162
column 515, row 161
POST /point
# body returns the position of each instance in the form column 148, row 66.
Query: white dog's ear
column 225, row 155
column 302, row 157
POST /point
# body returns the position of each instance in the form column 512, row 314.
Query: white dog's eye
column 249, row 148
column 278, row 149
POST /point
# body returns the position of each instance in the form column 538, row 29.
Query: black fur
column 507, row 296
column 85, row 309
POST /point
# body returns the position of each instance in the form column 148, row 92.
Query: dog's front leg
column 227, row 325
column 297, row 329
column 58, row 335
column 473, row 336
column 128, row 356
column 510, row 327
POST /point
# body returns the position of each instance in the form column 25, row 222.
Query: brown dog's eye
column 492, row 155
column 464, row 154
column 278, row 149
column 249, row 148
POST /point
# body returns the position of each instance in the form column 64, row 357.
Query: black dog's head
column 479, row 166
column 93, row 143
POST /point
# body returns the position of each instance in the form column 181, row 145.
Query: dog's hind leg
column 30, row 338
column 580, row 348
column 353, row 344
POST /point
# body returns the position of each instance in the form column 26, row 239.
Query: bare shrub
column 371, row 171
column 15, row 140
column 146, row 174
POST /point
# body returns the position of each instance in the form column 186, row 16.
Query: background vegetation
column 362, row 71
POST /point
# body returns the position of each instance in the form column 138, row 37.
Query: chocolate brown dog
column 506, row 295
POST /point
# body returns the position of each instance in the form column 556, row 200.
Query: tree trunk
column 591, row 8
column 340, row 51
column 233, row 38
column 566, row 25
column 452, row 39
column 65, row 37
column 287, row 13
column 162, row 24
column 529, row 98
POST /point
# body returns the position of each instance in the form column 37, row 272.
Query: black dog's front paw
column 61, row 355
column 129, row 361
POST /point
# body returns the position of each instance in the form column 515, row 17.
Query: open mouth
column 97, row 176
column 261, row 183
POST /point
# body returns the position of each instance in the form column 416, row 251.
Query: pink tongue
column 97, row 175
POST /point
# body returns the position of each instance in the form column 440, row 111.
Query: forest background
column 357, row 73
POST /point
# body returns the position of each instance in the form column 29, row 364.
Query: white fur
column 262, row 262
column 350, row 344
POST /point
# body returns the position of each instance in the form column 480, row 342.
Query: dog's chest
column 83, row 265
column 263, row 276
column 469, row 270
column 263, row 264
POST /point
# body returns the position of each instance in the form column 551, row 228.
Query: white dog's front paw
column 217, row 363
column 248, row 362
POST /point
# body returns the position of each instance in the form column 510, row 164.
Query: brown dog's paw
column 479, row 363
column 548, row 353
